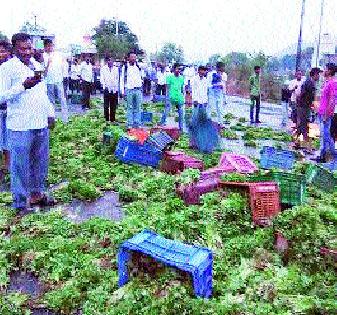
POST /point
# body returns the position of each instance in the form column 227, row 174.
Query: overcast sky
column 202, row 27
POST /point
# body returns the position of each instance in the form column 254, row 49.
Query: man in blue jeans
column 29, row 114
column 216, row 98
column 5, row 54
column 131, row 86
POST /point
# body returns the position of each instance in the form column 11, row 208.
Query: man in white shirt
column 161, row 81
column 87, row 78
column 294, row 88
column 29, row 114
column 217, row 81
column 5, row 54
column 54, row 70
column 131, row 86
column 200, row 85
column 203, row 134
column 75, row 73
column 110, row 81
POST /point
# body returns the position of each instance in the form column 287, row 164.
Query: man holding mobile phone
column 29, row 112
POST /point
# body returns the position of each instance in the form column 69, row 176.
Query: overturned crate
column 175, row 162
column 191, row 193
column 133, row 152
column 240, row 163
column 274, row 158
column 173, row 132
column 197, row 261
column 264, row 199
column 160, row 140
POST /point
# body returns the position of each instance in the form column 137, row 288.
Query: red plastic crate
column 264, row 202
column 169, row 164
column 264, row 199
column 173, row 132
column 189, row 194
column 140, row 134
column 241, row 163
column 175, row 163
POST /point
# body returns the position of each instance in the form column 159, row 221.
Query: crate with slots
column 160, row 140
column 133, row 152
column 197, row 261
column 264, row 198
column 175, row 162
column 240, row 163
column 191, row 193
column 273, row 158
column 173, row 132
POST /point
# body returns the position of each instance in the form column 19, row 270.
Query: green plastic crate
column 324, row 179
column 292, row 186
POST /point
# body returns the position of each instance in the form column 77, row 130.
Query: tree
column 116, row 45
column 214, row 59
column 170, row 52
column 3, row 37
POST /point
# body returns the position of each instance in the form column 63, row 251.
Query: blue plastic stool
column 193, row 259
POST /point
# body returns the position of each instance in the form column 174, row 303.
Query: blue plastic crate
column 160, row 140
column 129, row 151
column 147, row 117
column 273, row 158
column 196, row 260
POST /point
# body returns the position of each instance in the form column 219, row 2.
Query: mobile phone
column 38, row 74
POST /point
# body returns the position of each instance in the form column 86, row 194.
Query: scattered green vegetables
column 77, row 262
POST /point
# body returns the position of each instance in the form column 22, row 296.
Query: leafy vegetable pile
column 77, row 262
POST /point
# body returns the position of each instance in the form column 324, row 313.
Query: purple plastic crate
column 241, row 163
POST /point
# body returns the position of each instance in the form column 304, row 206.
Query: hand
column 31, row 82
column 51, row 122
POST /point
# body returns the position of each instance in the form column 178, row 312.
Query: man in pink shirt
column 326, row 111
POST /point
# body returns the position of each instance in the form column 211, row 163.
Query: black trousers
column 147, row 86
column 161, row 89
column 74, row 86
column 86, row 90
column 303, row 118
column 110, row 105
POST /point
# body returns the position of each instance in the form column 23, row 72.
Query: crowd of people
column 308, row 103
column 32, row 84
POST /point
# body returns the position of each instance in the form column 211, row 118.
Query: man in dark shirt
column 304, row 103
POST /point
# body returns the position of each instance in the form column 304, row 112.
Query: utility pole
column 35, row 23
column 319, row 34
column 299, row 43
